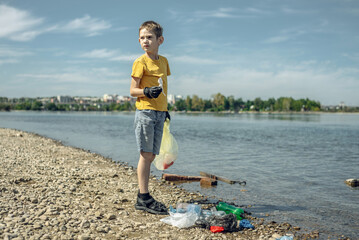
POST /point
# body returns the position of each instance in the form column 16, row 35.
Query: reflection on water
column 306, row 117
column 295, row 165
column 295, row 117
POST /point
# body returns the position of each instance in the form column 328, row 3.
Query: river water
column 295, row 165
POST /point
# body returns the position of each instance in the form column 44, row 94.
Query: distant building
column 171, row 99
column 122, row 99
column 341, row 105
column 110, row 98
column 64, row 99
column 44, row 100
column 85, row 100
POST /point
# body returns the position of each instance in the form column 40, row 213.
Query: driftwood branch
column 223, row 179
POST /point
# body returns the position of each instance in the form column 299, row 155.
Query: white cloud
column 8, row 60
column 12, row 55
column 111, row 55
column 194, row 60
column 26, row 36
column 17, row 24
column 71, row 81
column 20, row 25
column 278, row 39
column 352, row 10
column 257, row 11
column 315, row 81
column 88, row 25
column 6, row 51
column 289, row 10
column 125, row 58
column 351, row 56
column 99, row 53
column 75, row 75
column 219, row 13
column 286, row 35
column 107, row 72
column 58, row 78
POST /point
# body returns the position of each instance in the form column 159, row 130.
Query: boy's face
column 149, row 42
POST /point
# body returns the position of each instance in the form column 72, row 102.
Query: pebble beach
column 52, row 191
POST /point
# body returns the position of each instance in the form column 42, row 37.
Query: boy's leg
column 148, row 129
column 148, row 136
column 145, row 201
column 143, row 170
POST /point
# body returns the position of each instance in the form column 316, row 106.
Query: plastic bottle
column 218, row 213
column 230, row 209
column 194, row 208
column 186, row 207
column 205, row 214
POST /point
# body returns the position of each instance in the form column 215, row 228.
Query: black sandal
column 151, row 206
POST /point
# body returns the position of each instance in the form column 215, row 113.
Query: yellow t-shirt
column 150, row 71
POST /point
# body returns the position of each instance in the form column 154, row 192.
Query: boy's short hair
column 152, row 26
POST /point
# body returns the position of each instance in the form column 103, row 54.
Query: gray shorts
column 149, row 129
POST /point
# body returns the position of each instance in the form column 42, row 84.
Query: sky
column 247, row 49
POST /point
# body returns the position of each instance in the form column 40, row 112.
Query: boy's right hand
column 152, row 92
column 168, row 116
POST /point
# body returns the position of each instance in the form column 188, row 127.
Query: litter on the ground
column 216, row 229
column 285, row 238
column 245, row 224
column 184, row 216
column 223, row 179
column 188, row 215
column 238, row 212
column 227, row 221
column 206, row 179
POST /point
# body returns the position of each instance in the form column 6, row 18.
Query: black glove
column 168, row 116
column 152, row 92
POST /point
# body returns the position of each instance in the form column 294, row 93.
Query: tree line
column 217, row 103
column 38, row 106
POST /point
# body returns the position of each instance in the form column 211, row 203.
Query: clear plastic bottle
column 186, row 207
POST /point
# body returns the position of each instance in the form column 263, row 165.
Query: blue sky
column 242, row 48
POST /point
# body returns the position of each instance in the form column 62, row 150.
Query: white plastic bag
column 169, row 149
column 184, row 216
column 181, row 220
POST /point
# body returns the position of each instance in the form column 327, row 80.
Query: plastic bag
column 227, row 221
column 245, row 224
column 181, row 220
column 216, row 229
column 184, row 216
column 169, row 149
column 285, row 238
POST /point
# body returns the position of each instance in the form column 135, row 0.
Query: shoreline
column 53, row 191
column 198, row 112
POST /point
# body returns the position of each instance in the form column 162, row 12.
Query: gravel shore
column 52, row 191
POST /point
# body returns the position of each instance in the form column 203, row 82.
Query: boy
column 151, row 109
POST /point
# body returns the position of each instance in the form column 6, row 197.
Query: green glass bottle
column 222, row 206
